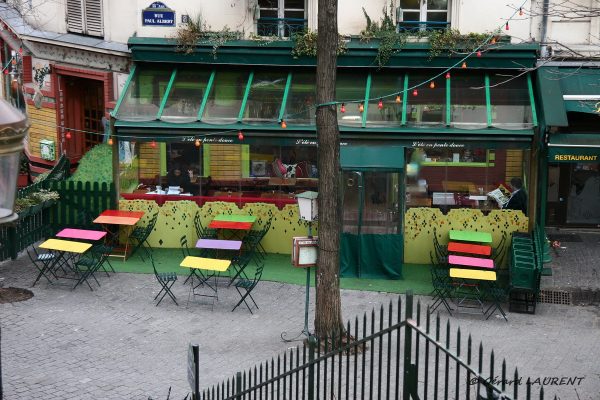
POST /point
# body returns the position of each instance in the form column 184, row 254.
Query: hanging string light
column 398, row 99
column 432, row 85
column 240, row 135
column 464, row 65
column 361, row 107
column 447, row 75
column 197, row 143
column 493, row 41
column 520, row 10
column 153, row 144
column 110, row 141
column 380, row 104
column 506, row 26
column 343, row 108
column 283, row 124
column 478, row 53
column 68, row 135
column 415, row 92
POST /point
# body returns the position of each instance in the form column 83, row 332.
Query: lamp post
column 13, row 128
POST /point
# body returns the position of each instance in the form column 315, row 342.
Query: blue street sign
column 158, row 14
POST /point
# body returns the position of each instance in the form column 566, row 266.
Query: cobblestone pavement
column 113, row 343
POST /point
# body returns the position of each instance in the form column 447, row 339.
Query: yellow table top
column 108, row 219
column 65, row 245
column 208, row 264
column 473, row 274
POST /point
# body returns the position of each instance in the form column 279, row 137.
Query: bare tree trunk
column 328, row 313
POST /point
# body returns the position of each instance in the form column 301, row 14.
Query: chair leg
column 243, row 299
column 166, row 288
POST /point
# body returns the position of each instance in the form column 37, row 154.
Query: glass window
column 144, row 94
column 426, row 105
column 225, row 98
column 129, row 166
column 415, row 12
column 281, row 17
column 265, row 97
column 467, row 100
column 463, row 177
column 584, row 194
column 510, row 101
column 383, row 84
column 186, row 96
column 299, row 108
column 350, row 86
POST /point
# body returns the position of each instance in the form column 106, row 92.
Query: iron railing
column 390, row 357
column 419, row 26
column 280, row 27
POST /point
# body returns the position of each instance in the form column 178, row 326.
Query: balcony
column 280, row 27
column 420, row 26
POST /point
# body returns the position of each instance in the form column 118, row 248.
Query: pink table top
column 84, row 234
column 471, row 261
column 219, row 244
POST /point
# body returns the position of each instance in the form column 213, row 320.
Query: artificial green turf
column 278, row 268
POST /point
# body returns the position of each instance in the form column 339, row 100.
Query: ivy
column 195, row 32
column 305, row 44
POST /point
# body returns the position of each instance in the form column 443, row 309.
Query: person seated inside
column 178, row 176
column 518, row 198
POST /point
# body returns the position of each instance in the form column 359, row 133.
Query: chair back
column 258, row 274
column 185, row 250
column 154, row 267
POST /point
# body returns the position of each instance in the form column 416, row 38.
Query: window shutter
column 75, row 16
column 93, row 17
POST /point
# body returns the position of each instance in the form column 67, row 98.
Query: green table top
column 471, row 236
column 235, row 218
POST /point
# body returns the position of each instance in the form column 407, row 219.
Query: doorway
column 372, row 226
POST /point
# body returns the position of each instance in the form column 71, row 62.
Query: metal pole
column 1, row 391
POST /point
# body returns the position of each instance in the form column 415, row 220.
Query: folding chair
column 254, row 238
column 441, row 251
column 194, row 273
column 239, row 264
column 140, row 234
column 496, row 295
column 89, row 263
column 166, row 280
column 248, row 285
column 201, row 231
column 41, row 261
column 442, row 286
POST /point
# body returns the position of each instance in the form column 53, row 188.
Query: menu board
column 304, row 251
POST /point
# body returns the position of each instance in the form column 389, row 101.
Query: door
column 371, row 239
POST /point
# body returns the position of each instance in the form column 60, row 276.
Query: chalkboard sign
column 194, row 370
column 304, row 251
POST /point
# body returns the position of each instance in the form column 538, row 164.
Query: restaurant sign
column 158, row 14
column 574, row 154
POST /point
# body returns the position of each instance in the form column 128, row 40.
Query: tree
column 328, row 312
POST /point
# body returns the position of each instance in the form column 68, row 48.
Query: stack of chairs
column 201, row 231
column 140, row 235
column 252, row 242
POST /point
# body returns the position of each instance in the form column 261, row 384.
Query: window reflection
column 426, row 105
column 390, row 112
column 510, row 101
column 186, row 96
column 299, row 108
column 225, row 98
column 144, row 94
column 467, row 100
column 265, row 97
column 350, row 86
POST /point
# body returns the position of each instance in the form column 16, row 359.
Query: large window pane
column 383, row 84
column 428, row 107
column 225, row 99
column 186, row 96
column 350, row 86
column 266, row 95
column 144, row 94
column 299, row 108
column 467, row 99
column 511, row 105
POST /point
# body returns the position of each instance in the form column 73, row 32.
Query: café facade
column 426, row 144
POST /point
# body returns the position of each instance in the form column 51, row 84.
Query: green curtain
column 380, row 256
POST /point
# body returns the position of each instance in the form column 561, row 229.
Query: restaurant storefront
column 570, row 100
column 424, row 148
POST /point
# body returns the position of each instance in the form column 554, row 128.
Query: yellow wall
column 43, row 126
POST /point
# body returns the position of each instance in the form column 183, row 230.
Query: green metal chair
column 245, row 287
column 88, row 264
column 140, row 235
column 253, row 239
column 41, row 261
column 194, row 273
column 166, row 281
column 442, row 285
column 201, row 231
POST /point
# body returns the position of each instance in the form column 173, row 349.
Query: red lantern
column 506, row 27
column 283, row 124
column 240, row 135
column 68, row 135
column 361, row 107
column 432, row 85
column 478, row 53
column 197, row 143
column 343, row 108
column 415, row 93
column 110, row 141
column 380, row 104
column 6, row 71
column 464, row 65
column 520, row 10
column 447, row 75
column 398, row 99
column 153, row 144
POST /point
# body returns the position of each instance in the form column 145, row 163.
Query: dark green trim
column 358, row 54
column 448, row 104
column 404, row 99
column 367, row 158
column 488, row 100
column 124, row 91
column 366, row 107
column 532, row 101
column 163, row 102
column 286, row 92
column 245, row 99
column 211, row 79
column 581, row 147
column 550, row 96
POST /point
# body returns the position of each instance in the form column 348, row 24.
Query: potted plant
column 24, row 177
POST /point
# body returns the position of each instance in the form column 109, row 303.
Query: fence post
column 311, row 367
column 11, row 233
column 409, row 381
column 238, row 385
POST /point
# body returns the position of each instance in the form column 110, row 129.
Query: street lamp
column 13, row 128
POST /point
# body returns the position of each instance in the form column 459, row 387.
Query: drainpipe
column 544, row 47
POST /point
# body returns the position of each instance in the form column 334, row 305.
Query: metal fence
column 280, row 27
column 386, row 355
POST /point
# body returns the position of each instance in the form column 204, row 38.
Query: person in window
column 179, row 177
column 518, row 198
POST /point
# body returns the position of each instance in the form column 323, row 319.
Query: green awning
column 368, row 158
column 574, row 148
column 568, row 89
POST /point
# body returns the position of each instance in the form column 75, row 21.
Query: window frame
column 423, row 10
column 281, row 10
column 72, row 11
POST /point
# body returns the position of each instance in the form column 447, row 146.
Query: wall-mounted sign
column 158, row 14
column 574, row 154
column 304, row 251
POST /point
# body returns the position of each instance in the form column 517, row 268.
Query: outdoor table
column 81, row 234
column 235, row 218
column 61, row 247
column 211, row 265
column 235, row 223
column 475, row 262
column 219, row 244
column 471, row 236
column 467, row 248
column 117, row 217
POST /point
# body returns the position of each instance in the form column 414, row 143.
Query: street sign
column 158, row 14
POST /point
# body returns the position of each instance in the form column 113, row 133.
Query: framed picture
column 258, row 168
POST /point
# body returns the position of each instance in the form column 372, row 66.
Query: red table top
column 243, row 226
column 470, row 248
column 122, row 213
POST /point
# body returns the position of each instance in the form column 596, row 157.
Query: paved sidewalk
column 113, row 343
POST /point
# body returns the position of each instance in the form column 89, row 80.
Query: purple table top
column 83, row 234
column 219, row 244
